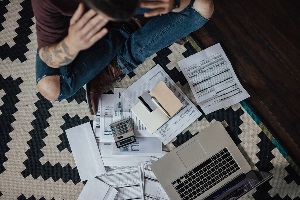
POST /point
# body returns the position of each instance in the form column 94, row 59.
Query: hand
column 85, row 29
column 157, row 7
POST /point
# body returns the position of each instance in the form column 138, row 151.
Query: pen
column 159, row 105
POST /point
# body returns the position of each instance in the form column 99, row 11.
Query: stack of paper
column 115, row 108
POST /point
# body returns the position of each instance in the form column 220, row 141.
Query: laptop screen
column 240, row 185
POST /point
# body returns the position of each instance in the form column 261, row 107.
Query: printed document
column 96, row 189
column 212, row 79
column 111, row 157
column 146, row 146
column 128, row 182
column 187, row 115
column 104, row 118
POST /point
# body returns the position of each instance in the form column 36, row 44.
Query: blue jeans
column 130, row 49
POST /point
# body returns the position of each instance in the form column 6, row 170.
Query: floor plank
column 261, row 39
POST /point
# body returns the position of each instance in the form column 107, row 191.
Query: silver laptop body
column 201, row 165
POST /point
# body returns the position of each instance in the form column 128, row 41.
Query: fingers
column 98, row 36
column 155, row 12
column 86, row 28
column 98, row 24
column 153, row 4
column 79, row 11
column 84, row 20
column 157, row 7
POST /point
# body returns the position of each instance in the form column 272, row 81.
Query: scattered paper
column 123, row 110
column 187, row 115
column 214, row 85
column 96, row 189
column 143, row 146
column 113, row 108
column 85, row 151
column 126, row 159
column 212, row 79
column 121, row 105
column 128, row 183
column 104, row 118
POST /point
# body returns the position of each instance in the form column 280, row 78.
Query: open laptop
column 208, row 166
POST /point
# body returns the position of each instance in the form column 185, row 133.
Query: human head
column 116, row 9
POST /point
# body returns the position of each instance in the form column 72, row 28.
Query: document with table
column 212, row 79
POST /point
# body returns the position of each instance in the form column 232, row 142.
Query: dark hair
column 116, row 9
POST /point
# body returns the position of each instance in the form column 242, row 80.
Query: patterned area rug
column 35, row 157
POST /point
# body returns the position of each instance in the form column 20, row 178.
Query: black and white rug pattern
column 35, row 158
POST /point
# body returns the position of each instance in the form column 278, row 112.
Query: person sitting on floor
column 95, row 42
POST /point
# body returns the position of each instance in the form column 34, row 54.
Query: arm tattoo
column 68, row 57
column 46, row 55
column 57, row 55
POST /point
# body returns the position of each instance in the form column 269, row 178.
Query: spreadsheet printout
column 212, row 79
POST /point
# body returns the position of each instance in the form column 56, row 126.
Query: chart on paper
column 212, row 79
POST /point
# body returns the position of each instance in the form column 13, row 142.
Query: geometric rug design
column 36, row 161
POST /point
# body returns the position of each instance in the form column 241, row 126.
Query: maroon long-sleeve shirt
column 52, row 19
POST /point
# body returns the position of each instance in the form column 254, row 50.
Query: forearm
column 57, row 55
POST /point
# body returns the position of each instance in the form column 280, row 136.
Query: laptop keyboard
column 206, row 175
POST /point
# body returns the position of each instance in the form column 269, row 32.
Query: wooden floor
column 262, row 41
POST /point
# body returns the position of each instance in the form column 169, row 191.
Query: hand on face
column 85, row 29
column 157, row 7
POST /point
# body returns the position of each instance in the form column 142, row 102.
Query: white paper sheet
column 133, row 159
column 85, row 151
column 104, row 117
column 212, row 79
column 121, row 105
column 96, row 189
column 145, row 146
column 128, row 183
column 125, row 161
column 187, row 115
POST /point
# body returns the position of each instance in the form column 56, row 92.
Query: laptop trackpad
column 191, row 153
